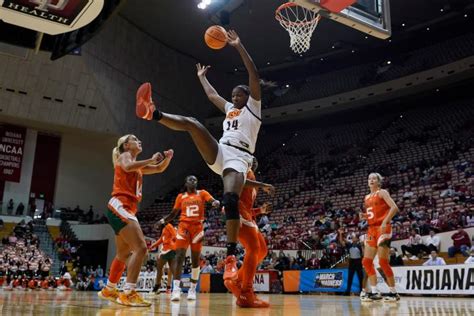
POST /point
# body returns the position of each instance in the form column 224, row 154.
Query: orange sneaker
column 230, row 271
column 144, row 104
column 234, row 287
column 132, row 299
column 248, row 299
column 109, row 295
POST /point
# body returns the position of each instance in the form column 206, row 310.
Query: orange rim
column 280, row 18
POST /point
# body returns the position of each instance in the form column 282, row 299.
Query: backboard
column 368, row 16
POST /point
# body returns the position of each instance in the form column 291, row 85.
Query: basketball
column 216, row 37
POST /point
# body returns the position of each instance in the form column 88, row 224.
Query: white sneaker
column 192, row 294
column 413, row 258
column 176, row 294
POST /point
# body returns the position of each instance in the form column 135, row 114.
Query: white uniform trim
column 384, row 237
column 198, row 237
column 117, row 205
column 248, row 223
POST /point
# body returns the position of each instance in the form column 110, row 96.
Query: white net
column 300, row 24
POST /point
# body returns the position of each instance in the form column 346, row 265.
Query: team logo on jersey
column 234, row 113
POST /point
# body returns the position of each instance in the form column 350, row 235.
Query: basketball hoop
column 300, row 24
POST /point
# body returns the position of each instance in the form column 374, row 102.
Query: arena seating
column 320, row 174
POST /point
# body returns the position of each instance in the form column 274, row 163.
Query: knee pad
column 230, row 203
column 386, row 268
column 368, row 266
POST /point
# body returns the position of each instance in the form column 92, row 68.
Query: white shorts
column 229, row 157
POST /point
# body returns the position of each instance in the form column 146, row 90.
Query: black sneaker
column 391, row 297
column 371, row 297
column 156, row 289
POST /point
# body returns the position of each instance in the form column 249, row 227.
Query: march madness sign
column 328, row 280
column 12, row 142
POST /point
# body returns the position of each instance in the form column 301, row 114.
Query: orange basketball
column 216, row 37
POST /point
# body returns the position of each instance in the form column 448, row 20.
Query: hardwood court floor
column 87, row 303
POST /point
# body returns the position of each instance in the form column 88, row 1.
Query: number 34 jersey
column 241, row 126
column 376, row 209
column 192, row 205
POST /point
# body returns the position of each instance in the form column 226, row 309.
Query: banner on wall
column 12, row 143
column 329, row 280
column 146, row 282
column 450, row 279
column 261, row 282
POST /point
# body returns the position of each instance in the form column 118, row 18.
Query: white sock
column 392, row 290
column 176, row 284
column 195, row 274
column 374, row 289
column 111, row 286
column 129, row 287
column 193, row 286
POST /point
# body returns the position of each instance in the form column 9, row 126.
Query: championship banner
column 12, row 143
column 50, row 16
column 261, row 282
column 450, row 279
column 330, row 280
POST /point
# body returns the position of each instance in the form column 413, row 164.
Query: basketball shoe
column 132, row 299
column 234, row 287
column 109, row 295
column 230, row 271
column 144, row 103
column 248, row 299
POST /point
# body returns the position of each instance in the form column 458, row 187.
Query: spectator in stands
column 263, row 221
column 431, row 243
column 470, row 259
column 414, row 245
column 461, row 243
column 207, row 268
column 313, row 262
column 20, row 208
column 100, row 271
column 300, row 260
column 10, row 207
column 434, row 260
column 396, row 260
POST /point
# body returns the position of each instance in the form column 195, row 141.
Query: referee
column 354, row 248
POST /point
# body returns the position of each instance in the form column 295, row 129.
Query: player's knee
column 141, row 249
column 368, row 266
column 230, row 203
column 386, row 268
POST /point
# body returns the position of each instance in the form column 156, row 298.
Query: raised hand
column 216, row 203
column 269, row 189
column 169, row 153
column 202, row 70
column 157, row 157
column 233, row 38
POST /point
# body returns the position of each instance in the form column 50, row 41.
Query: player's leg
column 195, row 271
column 159, row 274
column 133, row 234
column 180, row 256
column 370, row 251
column 250, row 240
column 171, row 271
column 383, row 252
column 233, row 185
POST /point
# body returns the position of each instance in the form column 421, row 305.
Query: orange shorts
column 190, row 233
column 121, row 210
column 375, row 237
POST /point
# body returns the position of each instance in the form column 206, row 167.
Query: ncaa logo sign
column 50, row 16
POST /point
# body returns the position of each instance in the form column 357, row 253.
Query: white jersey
column 241, row 126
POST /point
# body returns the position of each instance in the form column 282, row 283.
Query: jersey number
column 370, row 214
column 234, row 125
column 192, row 211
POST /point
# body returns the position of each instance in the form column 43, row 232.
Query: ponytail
column 119, row 148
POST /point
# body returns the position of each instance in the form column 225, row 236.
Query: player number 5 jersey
column 241, row 126
column 376, row 208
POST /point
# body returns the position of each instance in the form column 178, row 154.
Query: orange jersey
column 376, row 208
column 247, row 198
column 192, row 205
column 127, row 183
column 168, row 239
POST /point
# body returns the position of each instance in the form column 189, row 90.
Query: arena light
column 204, row 4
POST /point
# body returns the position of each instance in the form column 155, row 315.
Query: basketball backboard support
column 368, row 16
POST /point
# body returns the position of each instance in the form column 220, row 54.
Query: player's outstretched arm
column 254, row 78
column 161, row 166
column 126, row 162
column 268, row 188
column 211, row 93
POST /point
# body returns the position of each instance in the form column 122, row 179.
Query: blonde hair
column 119, row 149
column 378, row 176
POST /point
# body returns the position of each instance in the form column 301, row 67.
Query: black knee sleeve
column 230, row 203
